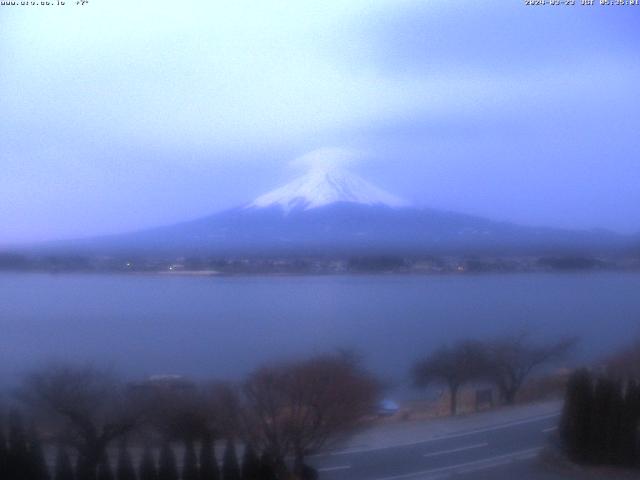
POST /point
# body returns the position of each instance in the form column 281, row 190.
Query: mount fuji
column 325, row 186
column 331, row 211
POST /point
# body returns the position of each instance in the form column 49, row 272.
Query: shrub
column 189, row 463
column 148, row 470
column 167, row 469
column 250, row 464
column 230, row 468
column 208, row 462
column 63, row 469
column 125, row 469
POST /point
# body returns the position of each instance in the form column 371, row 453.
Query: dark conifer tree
column 230, row 467
column 630, row 423
column 575, row 427
column 83, row 470
column 38, row 469
column 80, row 469
column 600, row 417
column 3, row 451
column 614, row 425
column 63, row 469
column 190, row 462
column 208, row 463
column 105, row 471
column 636, row 414
column 167, row 469
column 267, row 468
column 636, row 411
column 18, row 453
column 125, row 469
column 148, row 470
column 250, row 464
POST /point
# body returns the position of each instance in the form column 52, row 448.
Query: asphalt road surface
column 504, row 450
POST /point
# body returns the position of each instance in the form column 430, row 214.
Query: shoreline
column 218, row 274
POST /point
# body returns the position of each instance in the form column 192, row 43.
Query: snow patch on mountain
column 324, row 186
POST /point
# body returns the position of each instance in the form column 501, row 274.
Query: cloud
column 327, row 158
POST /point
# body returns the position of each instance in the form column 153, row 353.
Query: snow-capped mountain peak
column 324, row 186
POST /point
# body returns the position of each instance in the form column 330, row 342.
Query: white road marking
column 549, row 430
column 443, row 437
column 471, row 466
column 334, row 469
column 455, row 450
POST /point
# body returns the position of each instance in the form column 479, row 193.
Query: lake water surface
column 224, row 327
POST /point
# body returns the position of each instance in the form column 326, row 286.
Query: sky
column 122, row 115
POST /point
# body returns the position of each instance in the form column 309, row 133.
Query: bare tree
column 511, row 359
column 89, row 408
column 223, row 400
column 176, row 414
column 452, row 366
column 179, row 409
column 298, row 408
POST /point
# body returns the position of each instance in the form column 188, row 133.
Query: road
column 491, row 448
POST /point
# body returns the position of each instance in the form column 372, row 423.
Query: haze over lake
column 223, row 327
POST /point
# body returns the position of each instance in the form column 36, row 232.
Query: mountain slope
column 346, row 229
column 329, row 212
